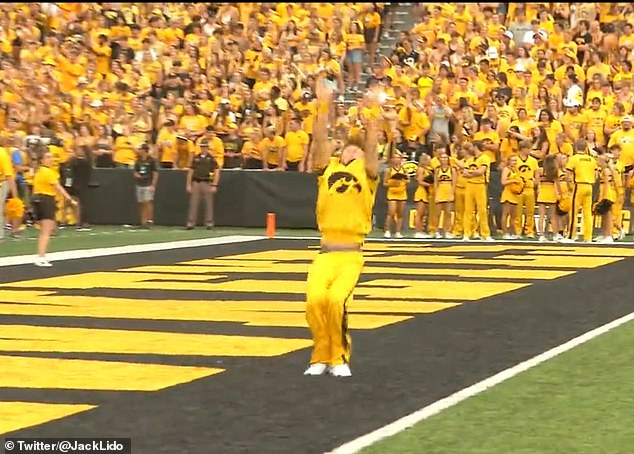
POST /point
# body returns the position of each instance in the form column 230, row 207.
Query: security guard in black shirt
column 202, row 182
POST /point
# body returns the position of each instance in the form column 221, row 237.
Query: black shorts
column 44, row 207
column 368, row 35
column 292, row 166
column 252, row 163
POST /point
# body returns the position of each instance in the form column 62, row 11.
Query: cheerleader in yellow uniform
column 607, row 198
column 395, row 180
column 444, row 190
column 425, row 180
column 547, row 196
column 513, row 187
column 459, row 193
column 564, row 201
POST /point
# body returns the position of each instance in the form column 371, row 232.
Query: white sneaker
column 622, row 235
column 316, row 369
column 606, row 240
column 476, row 236
column 507, row 236
column 489, row 239
column 598, row 239
column 567, row 240
column 466, row 238
column 387, row 234
column 341, row 370
column 438, row 235
column 542, row 239
column 419, row 235
column 42, row 262
column 449, row 236
column 398, row 235
column 558, row 238
column 426, row 235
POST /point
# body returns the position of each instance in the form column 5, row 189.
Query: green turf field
column 112, row 236
column 580, row 402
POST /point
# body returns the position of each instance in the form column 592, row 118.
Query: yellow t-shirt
column 273, row 147
column 527, row 169
column 355, row 41
column 345, row 200
column 6, row 168
column 583, row 167
column 45, row 182
column 474, row 163
column 295, row 142
column 626, row 140
column 124, row 152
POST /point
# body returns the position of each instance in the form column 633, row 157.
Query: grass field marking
column 130, row 249
column 410, row 420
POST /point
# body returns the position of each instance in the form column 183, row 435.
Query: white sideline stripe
column 410, row 420
column 131, row 249
column 466, row 243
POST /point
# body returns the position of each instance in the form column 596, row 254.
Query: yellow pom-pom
column 14, row 208
column 565, row 204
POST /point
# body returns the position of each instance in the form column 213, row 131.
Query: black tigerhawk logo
column 524, row 169
column 444, row 177
column 473, row 167
column 410, row 167
column 342, row 181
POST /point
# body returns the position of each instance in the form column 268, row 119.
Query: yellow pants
column 476, row 200
column 581, row 199
column 331, row 280
column 526, row 199
column 458, row 219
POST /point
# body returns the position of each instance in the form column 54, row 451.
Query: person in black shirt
column 146, row 176
column 583, row 38
column 233, row 149
column 202, row 182
column 77, row 174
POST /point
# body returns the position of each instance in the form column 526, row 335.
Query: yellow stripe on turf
column 25, row 338
column 55, row 373
column 18, row 415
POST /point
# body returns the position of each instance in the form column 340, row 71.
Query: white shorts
column 144, row 194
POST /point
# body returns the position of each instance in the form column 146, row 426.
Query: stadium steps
column 402, row 20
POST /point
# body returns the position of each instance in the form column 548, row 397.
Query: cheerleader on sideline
column 607, row 198
column 513, row 187
column 425, row 179
column 444, row 190
column 395, row 180
column 564, row 202
column 548, row 193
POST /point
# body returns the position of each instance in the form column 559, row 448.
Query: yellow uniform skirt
column 509, row 193
column 421, row 194
column 546, row 193
column 444, row 193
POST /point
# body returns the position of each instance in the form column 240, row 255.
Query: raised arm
column 321, row 147
column 371, row 140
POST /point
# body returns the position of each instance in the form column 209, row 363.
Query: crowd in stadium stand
column 526, row 86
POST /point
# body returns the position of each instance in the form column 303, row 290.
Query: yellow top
column 6, row 167
column 527, row 169
column 583, row 167
column 345, row 200
column 45, row 182
column 476, row 164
